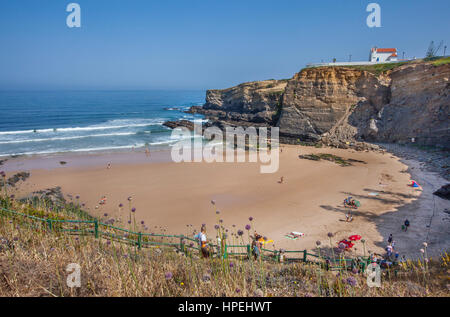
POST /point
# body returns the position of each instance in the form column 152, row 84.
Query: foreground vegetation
column 34, row 260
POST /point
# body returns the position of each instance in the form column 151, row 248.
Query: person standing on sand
column 203, row 242
column 406, row 225
column 390, row 239
column 281, row 180
column 147, row 151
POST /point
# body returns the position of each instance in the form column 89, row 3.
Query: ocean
column 37, row 122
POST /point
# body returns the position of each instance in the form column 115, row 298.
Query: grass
column 441, row 61
column 34, row 262
column 378, row 69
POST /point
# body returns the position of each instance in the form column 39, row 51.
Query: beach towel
column 294, row 235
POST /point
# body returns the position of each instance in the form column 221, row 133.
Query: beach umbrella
column 355, row 237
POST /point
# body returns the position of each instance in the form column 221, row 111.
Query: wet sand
column 174, row 195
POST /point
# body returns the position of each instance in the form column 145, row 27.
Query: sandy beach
column 173, row 195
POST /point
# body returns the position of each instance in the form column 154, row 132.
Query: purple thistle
column 105, row 214
column 247, row 227
column 77, row 197
column 240, row 232
column 217, row 212
column 216, row 227
column 330, row 234
column 133, row 209
column 318, row 243
column 250, row 218
column 120, row 205
column 142, row 222
column 168, row 275
column 231, row 264
column 238, row 290
column 351, row 281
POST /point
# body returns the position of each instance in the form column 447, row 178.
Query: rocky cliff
column 342, row 106
column 255, row 103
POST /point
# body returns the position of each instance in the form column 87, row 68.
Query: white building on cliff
column 383, row 55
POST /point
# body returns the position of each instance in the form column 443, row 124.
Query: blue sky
column 199, row 44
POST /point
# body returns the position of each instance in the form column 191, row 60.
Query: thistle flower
column 120, row 205
column 77, row 197
column 105, row 214
column 240, row 232
column 351, row 281
column 142, row 222
column 216, row 227
column 129, row 198
column 133, row 209
column 330, row 235
column 231, row 264
column 318, row 243
column 250, row 218
column 247, row 227
column 217, row 212
column 238, row 290
column 168, row 275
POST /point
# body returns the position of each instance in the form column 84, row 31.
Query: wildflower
column 318, row 243
column 129, row 198
column 240, row 232
column 105, row 214
column 168, row 275
column 213, row 202
column 181, row 284
column 231, row 264
column 330, row 234
column 217, row 212
column 120, row 205
column 238, row 290
column 16, row 239
column 77, row 197
column 206, row 277
column 129, row 221
column 216, row 227
column 133, row 209
column 108, row 242
column 221, row 220
column 247, row 227
column 351, row 281
column 250, row 218
column 142, row 222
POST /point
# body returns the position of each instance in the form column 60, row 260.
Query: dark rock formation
column 443, row 192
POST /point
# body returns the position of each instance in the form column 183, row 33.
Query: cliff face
column 344, row 105
column 255, row 103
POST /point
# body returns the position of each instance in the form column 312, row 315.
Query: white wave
column 112, row 124
column 106, row 148
column 68, row 138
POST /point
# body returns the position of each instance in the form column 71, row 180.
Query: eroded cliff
column 344, row 106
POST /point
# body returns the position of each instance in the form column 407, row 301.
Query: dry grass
column 33, row 262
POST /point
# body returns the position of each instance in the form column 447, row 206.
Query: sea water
column 45, row 122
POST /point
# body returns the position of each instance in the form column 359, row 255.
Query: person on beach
column 203, row 241
column 281, row 180
column 390, row 239
column 257, row 245
column 406, row 225
column 108, row 166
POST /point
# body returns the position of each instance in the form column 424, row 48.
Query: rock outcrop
column 343, row 106
column 255, row 103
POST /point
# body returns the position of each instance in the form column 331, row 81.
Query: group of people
column 390, row 248
column 256, row 246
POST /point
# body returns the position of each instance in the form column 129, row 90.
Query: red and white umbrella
column 355, row 237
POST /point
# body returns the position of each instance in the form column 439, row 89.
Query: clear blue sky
column 199, row 44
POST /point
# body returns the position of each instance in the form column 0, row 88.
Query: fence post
column 139, row 242
column 96, row 228
column 182, row 243
column 49, row 221
column 249, row 252
column 304, row 256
